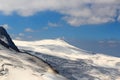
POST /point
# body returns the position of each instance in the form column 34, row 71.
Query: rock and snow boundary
column 15, row 65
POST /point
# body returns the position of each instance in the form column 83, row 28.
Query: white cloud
column 6, row 26
column 21, row 34
column 52, row 24
column 112, row 42
column 119, row 18
column 30, row 37
column 18, row 38
column 29, row 30
column 76, row 12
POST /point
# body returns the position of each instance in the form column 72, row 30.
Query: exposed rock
column 5, row 40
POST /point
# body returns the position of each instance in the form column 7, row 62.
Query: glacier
column 72, row 62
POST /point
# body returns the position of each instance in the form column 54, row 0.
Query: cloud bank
column 76, row 12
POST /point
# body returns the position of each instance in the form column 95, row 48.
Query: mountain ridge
column 6, row 40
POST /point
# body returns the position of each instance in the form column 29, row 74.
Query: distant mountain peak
column 5, row 40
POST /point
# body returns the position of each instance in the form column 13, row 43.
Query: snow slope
column 64, row 50
column 21, row 66
column 16, row 65
column 72, row 62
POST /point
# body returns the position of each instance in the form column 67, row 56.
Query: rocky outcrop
column 6, row 41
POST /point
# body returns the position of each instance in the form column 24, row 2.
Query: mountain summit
column 6, row 41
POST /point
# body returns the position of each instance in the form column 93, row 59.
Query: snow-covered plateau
column 72, row 62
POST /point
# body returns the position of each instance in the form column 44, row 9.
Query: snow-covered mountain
column 72, row 62
column 16, row 65
column 44, row 59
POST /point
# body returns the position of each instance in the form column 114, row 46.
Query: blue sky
column 81, row 23
column 50, row 25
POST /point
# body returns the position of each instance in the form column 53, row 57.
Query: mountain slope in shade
column 22, row 66
column 5, row 40
column 72, row 62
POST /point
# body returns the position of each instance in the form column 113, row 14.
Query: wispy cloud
column 101, row 42
column 76, row 12
column 110, row 43
column 21, row 34
column 29, row 30
column 18, row 38
column 45, row 28
column 52, row 24
column 29, row 37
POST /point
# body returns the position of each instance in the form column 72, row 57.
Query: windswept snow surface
column 55, row 47
column 72, row 62
column 22, row 66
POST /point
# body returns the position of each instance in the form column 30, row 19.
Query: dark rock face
column 6, row 41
